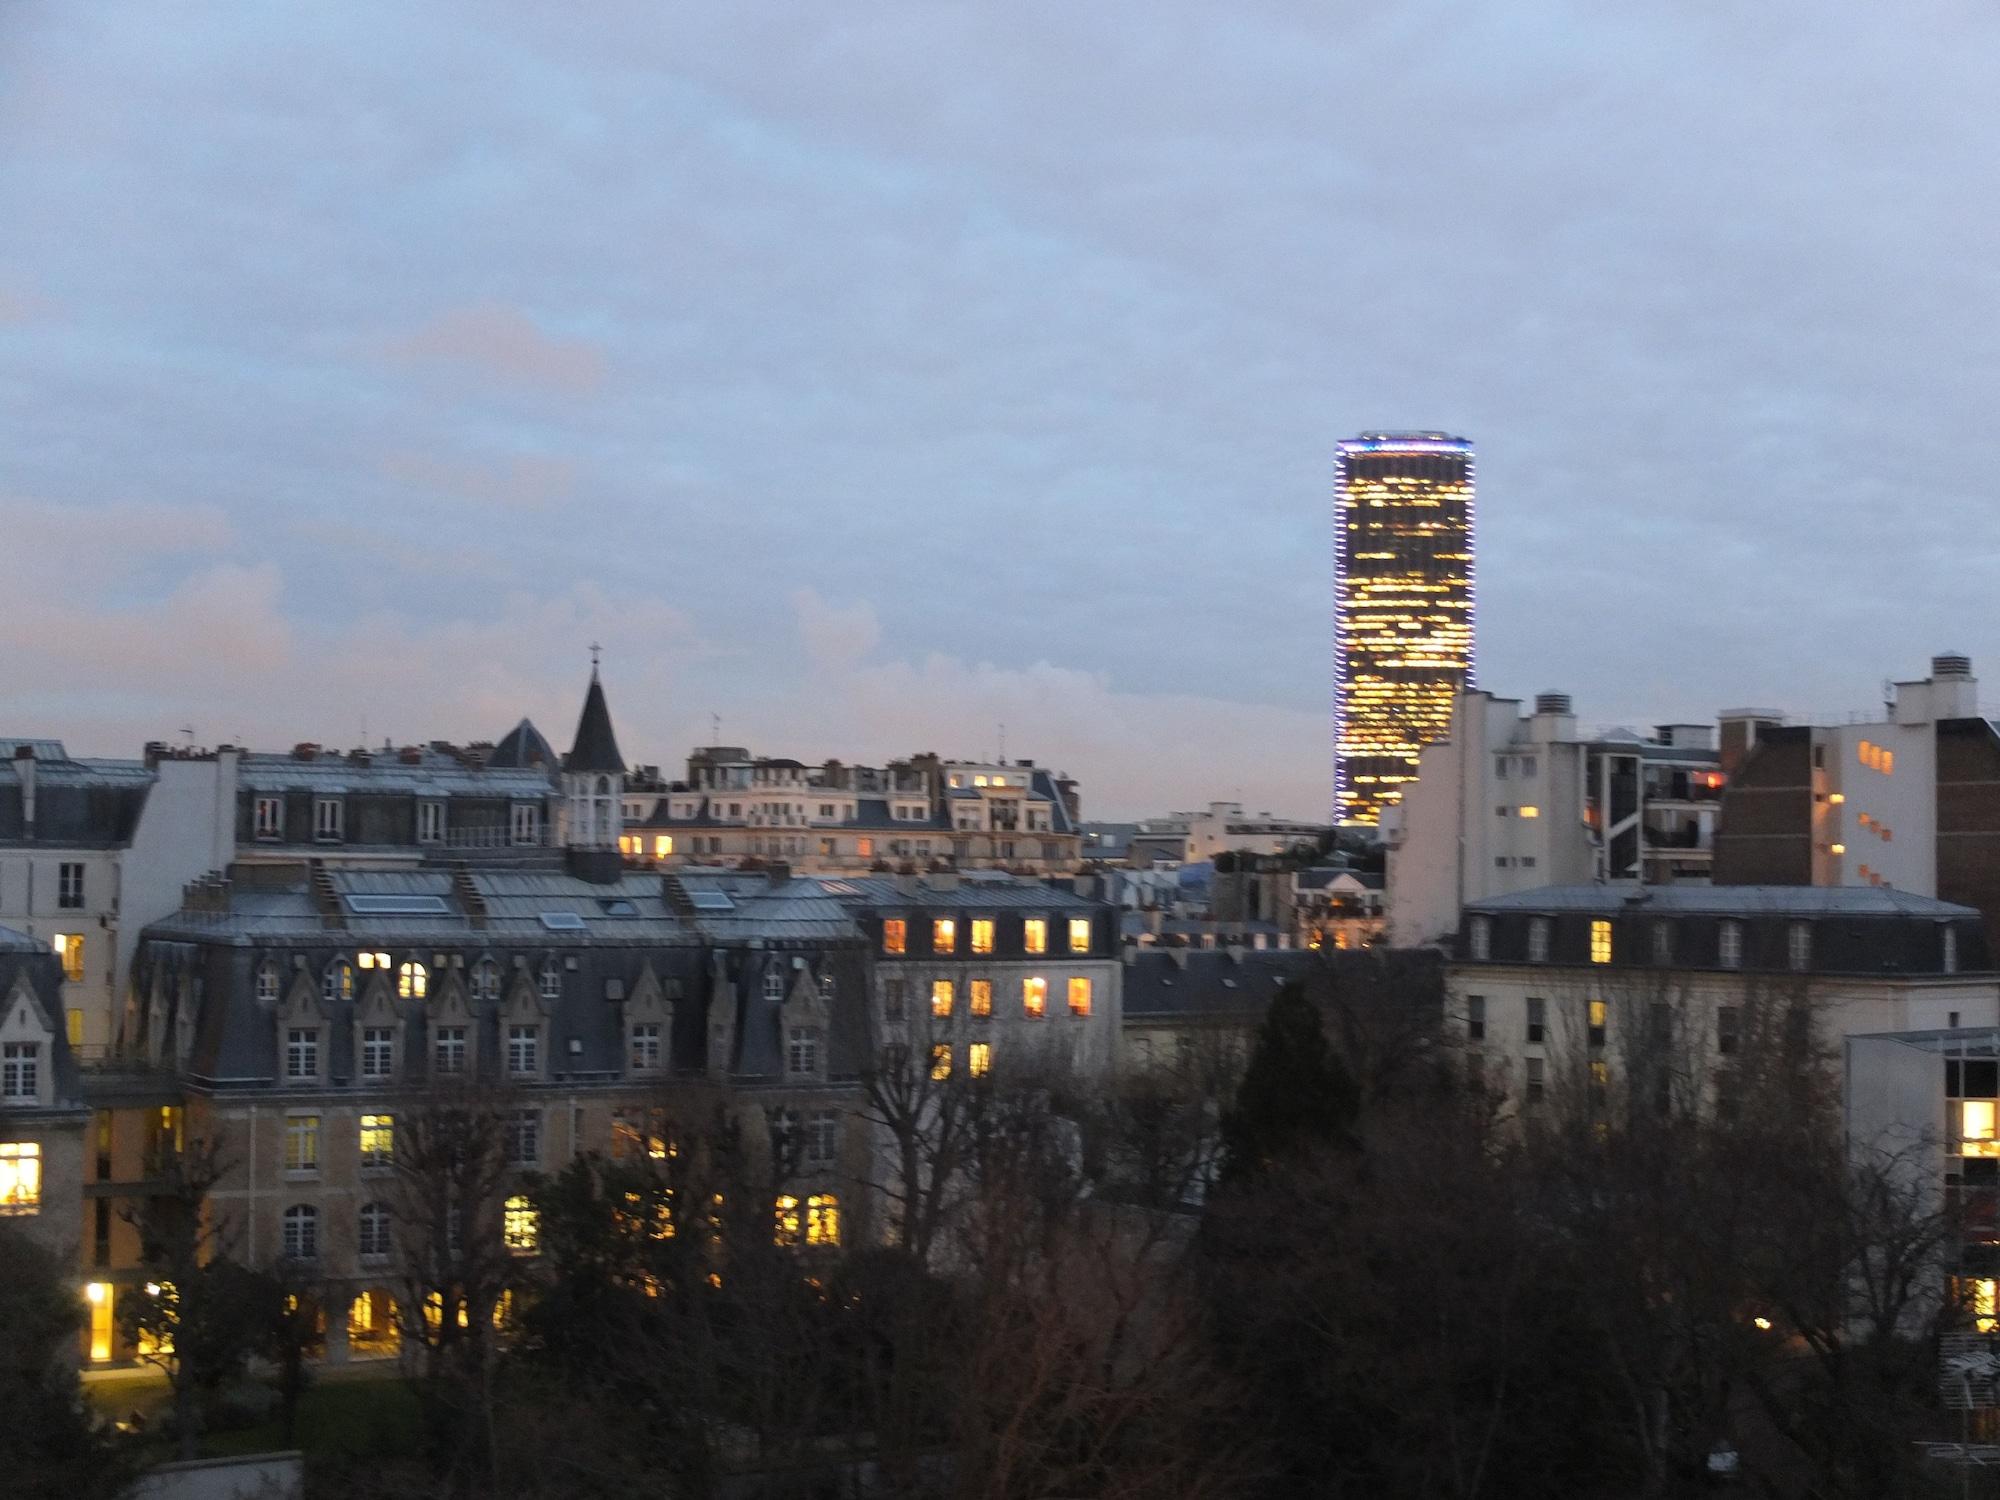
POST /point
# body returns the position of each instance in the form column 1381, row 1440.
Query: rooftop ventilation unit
column 1553, row 703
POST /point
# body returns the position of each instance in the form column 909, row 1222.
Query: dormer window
column 430, row 822
column 774, row 984
column 329, row 819
column 551, row 983
column 267, row 983
column 302, row 1054
column 1798, row 946
column 1479, row 938
column 1538, row 940
column 1950, row 958
column 412, row 980
column 20, row 1072
column 486, row 980
column 527, row 823
column 268, row 818
column 802, row 1051
column 1729, row 945
column 336, row 981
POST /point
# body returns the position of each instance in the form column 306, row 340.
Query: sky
column 868, row 377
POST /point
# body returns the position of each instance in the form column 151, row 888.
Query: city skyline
column 844, row 395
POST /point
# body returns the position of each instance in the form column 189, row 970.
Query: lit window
column 1982, row 1299
column 301, row 1231
column 1530, row 812
column 69, row 948
column 944, row 935
column 302, row 1143
column 982, row 996
column 1837, row 848
column 373, row 1240
column 895, row 935
column 1035, row 935
column 979, row 1059
column 663, row 845
column 520, row 1225
column 822, row 1219
column 940, row 1062
column 336, row 981
column 1976, row 1128
column 412, row 980
column 448, row 1050
column 378, row 1140
column 1799, row 945
column 524, row 1051
column 1600, row 942
column 1035, row 995
column 1600, row 1015
column 1079, row 997
column 982, row 934
column 866, row 849
column 20, row 1177
column 941, row 997
column 73, row 1026
column 802, row 1050
column 20, row 1071
column 785, row 1225
column 302, row 1054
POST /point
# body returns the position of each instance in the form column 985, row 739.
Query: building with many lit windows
column 1404, row 614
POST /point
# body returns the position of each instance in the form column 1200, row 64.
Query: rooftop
column 1726, row 900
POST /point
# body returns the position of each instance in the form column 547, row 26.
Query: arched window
column 551, row 979
column 774, row 982
column 486, row 980
column 412, row 979
column 267, row 982
column 336, row 982
column 302, row 1232
column 374, row 1236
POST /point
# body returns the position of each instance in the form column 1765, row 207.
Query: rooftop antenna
column 188, row 730
column 1003, row 745
column 715, row 728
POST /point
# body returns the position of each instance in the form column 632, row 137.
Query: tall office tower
column 1403, row 595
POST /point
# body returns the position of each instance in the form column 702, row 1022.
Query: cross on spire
column 596, row 651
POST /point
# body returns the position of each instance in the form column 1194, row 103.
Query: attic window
column 618, row 908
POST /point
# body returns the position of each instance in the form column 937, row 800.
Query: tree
column 49, row 1447
column 1295, row 1095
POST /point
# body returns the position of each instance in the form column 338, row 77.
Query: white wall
column 188, row 828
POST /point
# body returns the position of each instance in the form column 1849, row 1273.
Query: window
column 448, row 1051
column 1729, row 945
column 663, row 845
column 1663, row 942
column 378, row 1051
column 20, row 1177
column 941, row 997
column 640, row 1132
column 302, row 1143
column 979, row 1059
column 822, row 1219
column 486, row 980
column 1530, row 811
column 524, row 1138
column 1035, row 995
column 940, row 1062
column 430, row 822
column 329, row 817
column 785, row 1225
column 802, row 1050
column 645, row 1051
column 774, row 983
column 1079, row 934
column 524, row 1051
column 520, row 1225
column 1950, row 958
column 1976, row 1133
column 378, row 1140
column 373, row 1239
column 302, row 1232
column 1798, row 948
column 1079, row 996
column 1728, row 1029
column 551, row 980
column 982, row 934
column 1475, row 1018
column 1600, row 941
column 1600, row 1018
column 1537, row 1076
column 267, row 983
column 1538, row 1018
column 20, row 1071
column 822, row 1140
column 527, row 823
column 895, row 995
column 336, row 981
column 302, row 1054
column 269, row 819
column 865, row 848
column 829, row 987
column 1035, row 935
column 1481, row 938
column 982, row 998
column 69, row 885
column 69, row 948
column 1538, row 940
column 944, row 935
column 412, row 979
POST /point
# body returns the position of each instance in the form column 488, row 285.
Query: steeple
column 596, row 747
column 594, row 774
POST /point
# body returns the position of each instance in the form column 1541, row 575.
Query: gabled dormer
column 380, row 1033
column 524, row 1029
column 649, row 1027
column 805, row 1021
column 27, row 1049
column 722, row 1004
column 304, row 1039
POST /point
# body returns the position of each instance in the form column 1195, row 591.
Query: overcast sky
column 871, row 374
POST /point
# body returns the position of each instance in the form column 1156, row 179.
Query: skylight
column 395, row 906
column 562, row 921
column 711, row 901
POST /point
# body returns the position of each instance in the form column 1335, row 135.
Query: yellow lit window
column 940, row 1062
column 521, row 1226
column 895, row 935
column 1598, row 1013
column 412, row 979
column 1839, row 848
column 98, row 1294
column 20, row 1177
column 1530, row 812
column 1836, row 798
column 822, row 1219
column 663, row 845
column 1035, row 935
column 378, row 1139
column 1976, row 1128
column 865, row 848
column 69, row 948
column 1079, row 934
column 1079, row 997
column 373, row 961
column 786, row 1225
column 73, row 1026
column 1600, row 942
column 1979, row 1296
column 944, row 935
column 1600, row 1072
column 982, row 934
column 1035, row 995
column 434, row 1312
column 982, row 997
column 941, row 997
column 979, row 781
column 979, row 1059
column 628, row 843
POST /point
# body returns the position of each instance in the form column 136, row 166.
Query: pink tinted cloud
column 503, row 343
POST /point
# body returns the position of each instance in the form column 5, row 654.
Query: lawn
column 348, row 1418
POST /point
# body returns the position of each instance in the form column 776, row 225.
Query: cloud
column 502, row 343
column 524, row 481
column 835, row 636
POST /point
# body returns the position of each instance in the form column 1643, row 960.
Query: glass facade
column 1403, row 608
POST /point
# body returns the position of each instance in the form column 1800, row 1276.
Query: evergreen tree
column 1295, row 1095
column 48, row 1443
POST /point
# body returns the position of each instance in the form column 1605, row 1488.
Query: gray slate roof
column 1194, row 983
column 1726, row 901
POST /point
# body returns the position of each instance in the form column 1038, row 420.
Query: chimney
column 410, row 755
column 305, row 750
column 24, row 767
column 942, row 880
column 777, row 872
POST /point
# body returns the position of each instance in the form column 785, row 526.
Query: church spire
column 596, row 746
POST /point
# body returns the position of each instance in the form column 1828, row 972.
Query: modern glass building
column 1403, row 608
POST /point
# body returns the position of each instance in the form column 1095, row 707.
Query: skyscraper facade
column 1403, row 608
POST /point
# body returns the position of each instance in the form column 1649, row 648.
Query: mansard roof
column 523, row 748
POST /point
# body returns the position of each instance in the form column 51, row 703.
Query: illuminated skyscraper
column 1403, row 608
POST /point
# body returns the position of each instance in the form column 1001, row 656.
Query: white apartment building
column 1222, row 827
column 1513, row 801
